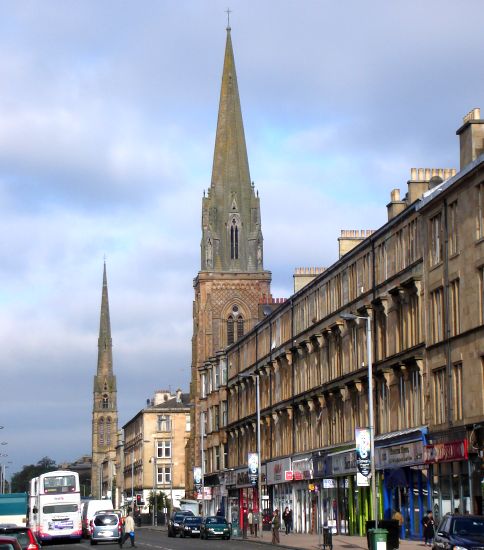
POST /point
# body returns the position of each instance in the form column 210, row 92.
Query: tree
column 20, row 480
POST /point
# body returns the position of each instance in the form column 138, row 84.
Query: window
column 403, row 408
column 188, row 421
column 217, row 457
column 437, row 317
column 105, row 403
column 436, row 239
column 234, row 240
column 415, row 398
column 453, row 228
column 454, row 307
column 458, row 395
column 230, row 330
column 224, row 413
column 480, row 211
column 440, row 396
column 163, row 475
column 101, row 431
column 163, row 449
column 240, row 327
column 481, row 293
column 216, row 370
column 108, row 431
column 384, row 403
column 164, row 423
column 203, row 384
column 223, row 372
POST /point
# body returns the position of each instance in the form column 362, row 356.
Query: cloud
column 107, row 120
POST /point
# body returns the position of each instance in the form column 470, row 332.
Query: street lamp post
column 257, row 408
column 371, row 420
column 202, row 458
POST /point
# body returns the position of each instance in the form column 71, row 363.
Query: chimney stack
column 471, row 135
column 396, row 205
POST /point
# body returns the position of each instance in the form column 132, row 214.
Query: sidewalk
column 298, row 541
column 301, row 541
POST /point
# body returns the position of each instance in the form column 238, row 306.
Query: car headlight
column 176, row 524
column 210, row 529
column 459, row 548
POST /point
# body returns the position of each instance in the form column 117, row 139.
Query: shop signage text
column 363, row 452
column 445, row 452
column 396, row 456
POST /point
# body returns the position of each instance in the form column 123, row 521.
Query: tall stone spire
column 105, row 410
column 231, row 227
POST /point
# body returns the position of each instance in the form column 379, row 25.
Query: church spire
column 104, row 409
column 232, row 237
column 105, row 344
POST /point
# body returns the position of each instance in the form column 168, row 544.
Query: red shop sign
column 288, row 475
column 445, row 452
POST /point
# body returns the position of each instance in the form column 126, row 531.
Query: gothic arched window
column 108, row 431
column 234, row 240
column 230, row 330
column 105, row 404
column 240, row 327
column 100, row 431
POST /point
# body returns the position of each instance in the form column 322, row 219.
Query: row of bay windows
column 331, row 419
column 214, row 376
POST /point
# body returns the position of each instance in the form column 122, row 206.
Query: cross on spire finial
column 228, row 18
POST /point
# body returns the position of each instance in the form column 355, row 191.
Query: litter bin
column 377, row 539
column 393, row 528
column 327, row 538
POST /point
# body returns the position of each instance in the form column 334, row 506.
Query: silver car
column 106, row 527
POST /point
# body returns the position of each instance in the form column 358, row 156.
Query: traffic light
column 139, row 501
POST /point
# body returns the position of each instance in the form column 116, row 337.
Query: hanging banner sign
column 253, row 466
column 197, row 479
column 363, row 454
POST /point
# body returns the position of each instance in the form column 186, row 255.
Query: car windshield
column 5, row 546
column 106, row 519
column 468, row 526
column 192, row 521
column 212, row 521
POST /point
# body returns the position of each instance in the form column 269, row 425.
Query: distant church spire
column 105, row 410
column 231, row 227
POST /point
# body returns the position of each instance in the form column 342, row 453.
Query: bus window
column 59, row 484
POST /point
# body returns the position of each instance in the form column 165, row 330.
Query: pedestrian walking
column 128, row 531
column 275, row 525
column 250, row 521
column 428, row 528
column 287, row 519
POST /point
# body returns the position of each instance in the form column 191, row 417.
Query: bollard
column 327, row 538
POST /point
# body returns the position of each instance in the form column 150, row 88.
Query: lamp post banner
column 253, row 465
column 363, row 454
column 197, row 478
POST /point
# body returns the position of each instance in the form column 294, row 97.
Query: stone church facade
column 232, row 281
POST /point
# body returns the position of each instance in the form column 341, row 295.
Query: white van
column 90, row 508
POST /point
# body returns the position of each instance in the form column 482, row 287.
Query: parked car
column 455, row 530
column 190, row 526
column 176, row 520
column 24, row 535
column 106, row 526
column 215, row 526
column 9, row 543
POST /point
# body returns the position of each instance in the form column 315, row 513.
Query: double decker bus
column 55, row 506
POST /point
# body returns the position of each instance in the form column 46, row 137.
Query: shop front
column 242, row 496
column 279, row 484
column 405, row 479
column 451, row 474
column 304, row 496
column 344, row 505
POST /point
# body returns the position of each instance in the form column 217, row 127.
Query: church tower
column 231, row 282
column 104, row 410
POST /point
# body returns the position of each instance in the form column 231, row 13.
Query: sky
column 108, row 112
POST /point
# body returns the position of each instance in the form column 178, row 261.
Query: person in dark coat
column 428, row 528
column 287, row 518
